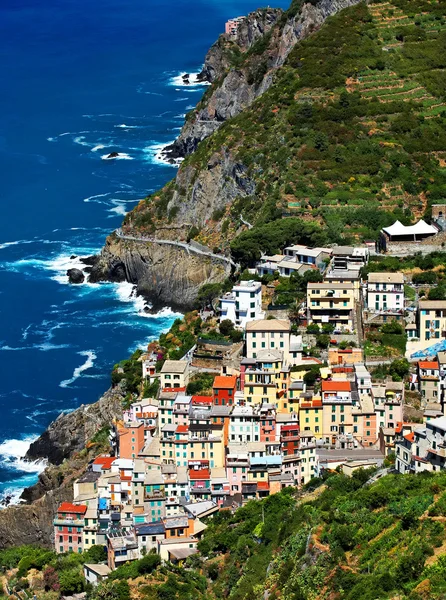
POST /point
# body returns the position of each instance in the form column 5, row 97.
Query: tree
column 400, row 366
column 96, row 554
column 226, row 327
column 51, row 579
column 148, row 563
column 71, row 582
column 323, row 340
column 207, row 293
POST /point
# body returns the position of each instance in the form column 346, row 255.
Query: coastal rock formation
column 240, row 74
column 64, row 440
column 75, row 276
column 70, row 432
column 165, row 274
column 210, row 181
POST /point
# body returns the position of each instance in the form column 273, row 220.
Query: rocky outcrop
column 235, row 86
column 164, row 274
column 67, row 439
column 75, row 276
column 241, row 68
column 250, row 29
column 70, row 432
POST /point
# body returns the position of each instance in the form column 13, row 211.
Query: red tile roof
column 262, row 485
column 182, row 429
column 199, row 474
column 336, row 386
column 428, row 364
column 67, row 507
column 410, row 437
column 104, row 461
column 201, row 399
column 225, row 382
column 290, row 427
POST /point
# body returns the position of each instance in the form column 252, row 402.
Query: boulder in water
column 113, row 155
column 75, row 276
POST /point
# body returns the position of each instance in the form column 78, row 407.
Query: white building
column 268, row 334
column 243, row 304
column 429, row 447
column 244, row 425
column 385, row 291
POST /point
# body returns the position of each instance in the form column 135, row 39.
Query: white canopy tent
column 419, row 230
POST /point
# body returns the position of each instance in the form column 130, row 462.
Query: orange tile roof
column 67, row 507
column 262, row 485
column 182, row 429
column 428, row 364
column 225, row 382
column 410, row 437
column 199, row 474
column 104, row 461
column 336, row 386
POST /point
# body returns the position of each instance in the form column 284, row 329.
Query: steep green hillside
column 346, row 540
column 351, row 133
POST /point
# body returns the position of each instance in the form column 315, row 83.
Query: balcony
column 69, row 522
column 155, row 495
column 200, row 489
column 439, row 451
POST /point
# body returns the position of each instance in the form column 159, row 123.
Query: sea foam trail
column 178, row 80
column 120, row 156
column 12, row 453
column 91, row 357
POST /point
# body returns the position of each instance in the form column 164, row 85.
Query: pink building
column 68, row 527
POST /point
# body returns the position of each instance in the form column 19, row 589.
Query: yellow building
column 210, row 448
column 266, row 380
column 331, row 303
column 311, row 414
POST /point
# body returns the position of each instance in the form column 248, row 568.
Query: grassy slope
column 352, row 132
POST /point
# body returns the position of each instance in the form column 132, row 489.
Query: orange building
column 224, row 389
column 131, row 439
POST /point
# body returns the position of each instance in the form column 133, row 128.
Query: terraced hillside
column 351, row 135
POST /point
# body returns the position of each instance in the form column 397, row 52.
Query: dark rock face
column 32, row 523
column 113, row 155
column 75, row 276
column 165, row 275
column 70, row 432
column 235, row 89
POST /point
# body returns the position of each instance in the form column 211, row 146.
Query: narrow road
column 184, row 245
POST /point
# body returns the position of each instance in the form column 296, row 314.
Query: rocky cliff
column 241, row 67
column 164, row 274
column 68, row 445
column 214, row 183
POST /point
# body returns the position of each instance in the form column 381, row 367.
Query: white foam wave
column 80, row 139
column 124, row 126
column 155, row 154
column 91, row 357
column 16, row 243
column 192, row 80
column 97, row 147
column 121, row 156
column 12, row 453
column 181, row 99
column 95, row 197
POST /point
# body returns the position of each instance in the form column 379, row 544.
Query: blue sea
column 81, row 79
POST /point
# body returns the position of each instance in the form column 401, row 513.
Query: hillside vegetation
column 351, row 134
column 342, row 540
